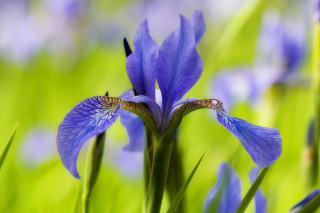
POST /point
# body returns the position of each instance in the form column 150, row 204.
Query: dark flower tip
column 127, row 48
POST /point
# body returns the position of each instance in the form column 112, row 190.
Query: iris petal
column 141, row 63
column 259, row 198
column 135, row 130
column 133, row 125
column 88, row 118
column 179, row 66
column 153, row 106
column 198, row 25
column 263, row 144
column 227, row 191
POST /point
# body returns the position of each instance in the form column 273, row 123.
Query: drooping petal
column 226, row 192
column 179, row 66
column 259, row 198
column 304, row 202
column 91, row 117
column 198, row 25
column 263, row 144
column 141, row 63
column 133, row 125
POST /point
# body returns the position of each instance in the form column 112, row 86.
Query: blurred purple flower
column 226, row 193
column 21, row 34
column 128, row 163
column 317, row 10
column 233, row 86
column 68, row 9
column 176, row 68
column 280, row 52
column 281, row 44
column 38, row 146
column 297, row 208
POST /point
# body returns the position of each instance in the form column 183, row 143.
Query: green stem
column 92, row 169
column 148, row 158
column 314, row 167
column 159, row 172
column 175, row 176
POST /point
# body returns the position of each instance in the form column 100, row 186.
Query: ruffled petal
column 198, row 25
column 259, row 198
column 227, row 191
column 179, row 66
column 263, row 144
column 88, row 118
column 141, row 63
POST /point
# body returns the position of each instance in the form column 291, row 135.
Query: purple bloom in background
column 176, row 66
column 281, row 44
column 234, row 86
column 38, row 146
column 297, row 208
column 69, row 9
column 15, row 21
column 128, row 163
column 280, row 53
column 226, row 193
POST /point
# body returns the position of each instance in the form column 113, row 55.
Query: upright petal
column 179, row 66
column 260, row 200
column 141, row 63
column 226, row 193
column 297, row 208
column 263, row 144
column 198, row 25
column 133, row 125
column 89, row 118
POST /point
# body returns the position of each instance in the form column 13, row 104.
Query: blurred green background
column 80, row 54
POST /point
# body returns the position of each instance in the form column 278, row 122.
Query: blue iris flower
column 176, row 66
column 225, row 195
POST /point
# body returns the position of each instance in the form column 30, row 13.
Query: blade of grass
column 76, row 200
column 177, row 200
column 6, row 149
column 312, row 206
column 92, row 170
column 252, row 191
column 227, row 38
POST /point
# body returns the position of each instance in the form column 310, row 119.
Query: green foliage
column 6, row 149
column 175, row 204
column 252, row 191
column 92, row 170
column 312, row 206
